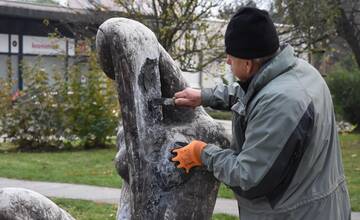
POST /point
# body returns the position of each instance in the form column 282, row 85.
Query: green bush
column 81, row 110
column 6, row 96
column 92, row 105
column 344, row 85
column 31, row 120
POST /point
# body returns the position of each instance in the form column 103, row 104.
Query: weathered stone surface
column 23, row 204
column 153, row 188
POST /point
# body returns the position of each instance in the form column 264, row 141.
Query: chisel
column 163, row 101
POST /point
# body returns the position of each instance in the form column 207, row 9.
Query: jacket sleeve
column 275, row 140
column 221, row 97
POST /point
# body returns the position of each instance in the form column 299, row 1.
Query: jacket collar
column 281, row 63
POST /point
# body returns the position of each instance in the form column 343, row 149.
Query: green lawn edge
column 96, row 167
column 86, row 210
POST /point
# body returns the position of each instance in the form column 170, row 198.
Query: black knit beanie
column 251, row 34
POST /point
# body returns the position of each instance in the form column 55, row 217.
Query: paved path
column 110, row 195
column 94, row 193
column 103, row 194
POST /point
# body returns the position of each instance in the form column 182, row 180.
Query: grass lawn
column 96, row 167
column 85, row 210
column 351, row 155
column 222, row 115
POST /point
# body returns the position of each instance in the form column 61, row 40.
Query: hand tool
column 163, row 101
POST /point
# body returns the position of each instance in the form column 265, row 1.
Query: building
column 29, row 30
column 56, row 32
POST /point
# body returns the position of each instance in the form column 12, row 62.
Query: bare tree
column 348, row 24
column 229, row 9
column 186, row 29
column 314, row 23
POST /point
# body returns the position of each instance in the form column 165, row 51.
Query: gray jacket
column 285, row 159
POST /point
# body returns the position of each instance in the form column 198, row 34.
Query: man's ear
column 249, row 65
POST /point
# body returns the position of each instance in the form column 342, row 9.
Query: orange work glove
column 189, row 156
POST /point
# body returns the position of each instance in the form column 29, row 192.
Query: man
column 285, row 160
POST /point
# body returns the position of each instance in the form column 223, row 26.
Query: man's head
column 250, row 40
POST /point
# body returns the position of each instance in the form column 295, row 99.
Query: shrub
column 31, row 121
column 344, row 85
column 78, row 111
column 6, row 97
column 92, row 106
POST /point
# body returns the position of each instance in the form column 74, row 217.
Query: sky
column 262, row 4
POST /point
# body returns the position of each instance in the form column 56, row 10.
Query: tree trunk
column 348, row 25
column 153, row 187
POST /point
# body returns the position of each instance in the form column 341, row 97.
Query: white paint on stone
column 20, row 204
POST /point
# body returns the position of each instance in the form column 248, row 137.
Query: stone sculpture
column 153, row 188
column 24, row 204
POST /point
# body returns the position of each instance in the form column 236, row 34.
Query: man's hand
column 188, row 98
column 189, row 156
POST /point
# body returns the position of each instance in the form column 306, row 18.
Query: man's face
column 240, row 68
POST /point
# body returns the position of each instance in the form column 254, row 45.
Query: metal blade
column 163, row 101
